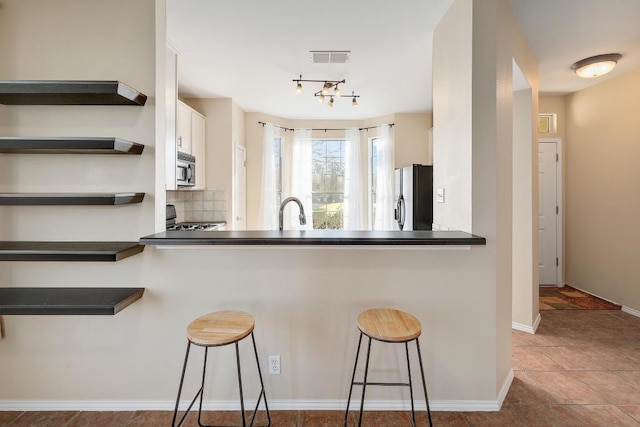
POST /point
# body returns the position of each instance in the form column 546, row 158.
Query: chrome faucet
column 303, row 218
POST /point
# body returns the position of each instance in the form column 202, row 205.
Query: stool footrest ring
column 383, row 384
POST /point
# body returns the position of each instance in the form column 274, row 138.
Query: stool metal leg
column 263, row 394
column 184, row 369
column 244, row 422
column 364, row 381
column 353, row 377
column 424, row 383
column 204, row 370
column 413, row 412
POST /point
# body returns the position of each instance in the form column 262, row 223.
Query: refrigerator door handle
column 401, row 212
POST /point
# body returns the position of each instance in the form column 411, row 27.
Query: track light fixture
column 329, row 88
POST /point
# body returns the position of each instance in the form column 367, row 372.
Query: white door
column 548, row 213
column 240, row 189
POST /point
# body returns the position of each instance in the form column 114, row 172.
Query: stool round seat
column 220, row 328
column 389, row 325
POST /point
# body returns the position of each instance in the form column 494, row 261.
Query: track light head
column 327, row 85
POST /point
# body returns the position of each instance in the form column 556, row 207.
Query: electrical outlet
column 274, row 365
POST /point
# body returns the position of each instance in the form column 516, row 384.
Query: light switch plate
column 440, row 195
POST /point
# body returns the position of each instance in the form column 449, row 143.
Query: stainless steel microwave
column 185, row 170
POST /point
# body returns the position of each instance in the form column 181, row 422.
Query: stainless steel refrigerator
column 414, row 197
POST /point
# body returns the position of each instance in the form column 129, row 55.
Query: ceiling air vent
column 330, row 57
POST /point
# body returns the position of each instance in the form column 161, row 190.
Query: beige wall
column 602, row 206
column 475, row 46
column 305, row 300
column 412, row 138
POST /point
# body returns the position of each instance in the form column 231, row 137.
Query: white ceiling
column 251, row 50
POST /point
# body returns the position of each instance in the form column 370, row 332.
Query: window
column 328, row 168
column 373, row 171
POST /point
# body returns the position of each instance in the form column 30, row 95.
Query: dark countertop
column 314, row 238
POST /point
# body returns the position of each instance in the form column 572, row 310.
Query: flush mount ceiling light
column 596, row 66
column 330, row 88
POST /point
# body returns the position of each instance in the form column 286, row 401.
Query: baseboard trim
column 277, row 405
column 505, row 387
column 527, row 328
column 631, row 311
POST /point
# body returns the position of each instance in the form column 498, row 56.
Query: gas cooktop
column 194, row 227
column 189, row 226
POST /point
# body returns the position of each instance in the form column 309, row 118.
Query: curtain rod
column 326, row 129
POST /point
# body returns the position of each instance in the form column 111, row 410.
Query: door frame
column 234, row 198
column 560, row 215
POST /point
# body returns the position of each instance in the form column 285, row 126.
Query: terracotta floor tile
column 602, row 415
column 616, row 389
column 102, row 419
column 525, row 390
column 520, row 339
column 530, row 358
column 505, row 417
column 7, row 416
column 566, row 388
column 631, row 353
column 323, row 418
column 153, row 419
column 369, row 418
column 613, row 358
column 444, row 419
column 572, row 337
column 543, row 338
column 547, row 415
column 631, row 410
column 44, row 419
column 572, row 358
column 632, row 376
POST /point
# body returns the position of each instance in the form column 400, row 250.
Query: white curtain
column 353, row 206
column 268, row 202
column 385, row 203
column 301, row 178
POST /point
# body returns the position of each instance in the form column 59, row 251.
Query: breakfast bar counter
column 314, row 238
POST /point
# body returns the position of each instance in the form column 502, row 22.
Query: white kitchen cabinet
column 198, row 148
column 183, row 129
column 190, row 138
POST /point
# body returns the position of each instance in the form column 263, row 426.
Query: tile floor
column 582, row 368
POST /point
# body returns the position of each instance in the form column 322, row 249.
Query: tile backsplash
column 197, row 206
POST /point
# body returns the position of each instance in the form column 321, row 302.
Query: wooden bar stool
column 392, row 326
column 215, row 330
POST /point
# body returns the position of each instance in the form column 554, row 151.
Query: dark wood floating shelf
column 67, row 300
column 68, row 251
column 69, row 199
column 68, row 92
column 69, row 145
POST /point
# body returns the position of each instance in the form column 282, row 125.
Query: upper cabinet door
column 198, row 131
column 183, row 139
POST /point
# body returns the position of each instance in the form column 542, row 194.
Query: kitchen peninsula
column 314, row 238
